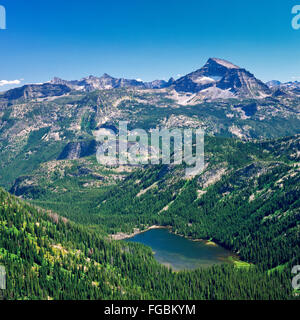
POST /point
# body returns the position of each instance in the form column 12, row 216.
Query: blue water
column 180, row 253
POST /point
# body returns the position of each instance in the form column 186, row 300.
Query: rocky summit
column 222, row 79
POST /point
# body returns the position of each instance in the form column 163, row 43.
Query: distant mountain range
column 288, row 88
column 217, row 79
column 56, row 120
column 106, row 82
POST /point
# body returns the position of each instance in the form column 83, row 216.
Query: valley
column 64, row 217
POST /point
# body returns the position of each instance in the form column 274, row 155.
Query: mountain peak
column 56, row 80
column 273, row 83
column 105, row 75
column 223, row 63
column 221, row 78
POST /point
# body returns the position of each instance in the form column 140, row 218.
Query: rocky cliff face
column 243, row 84
column 77, row 150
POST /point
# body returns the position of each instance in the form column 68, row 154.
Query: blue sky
column 146, row 39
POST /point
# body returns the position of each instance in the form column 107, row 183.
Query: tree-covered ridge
column 48, row 257
column 142, row 196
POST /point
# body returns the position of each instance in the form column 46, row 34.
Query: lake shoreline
column 123, row 236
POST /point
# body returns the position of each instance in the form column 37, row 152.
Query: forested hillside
column 47, row 257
